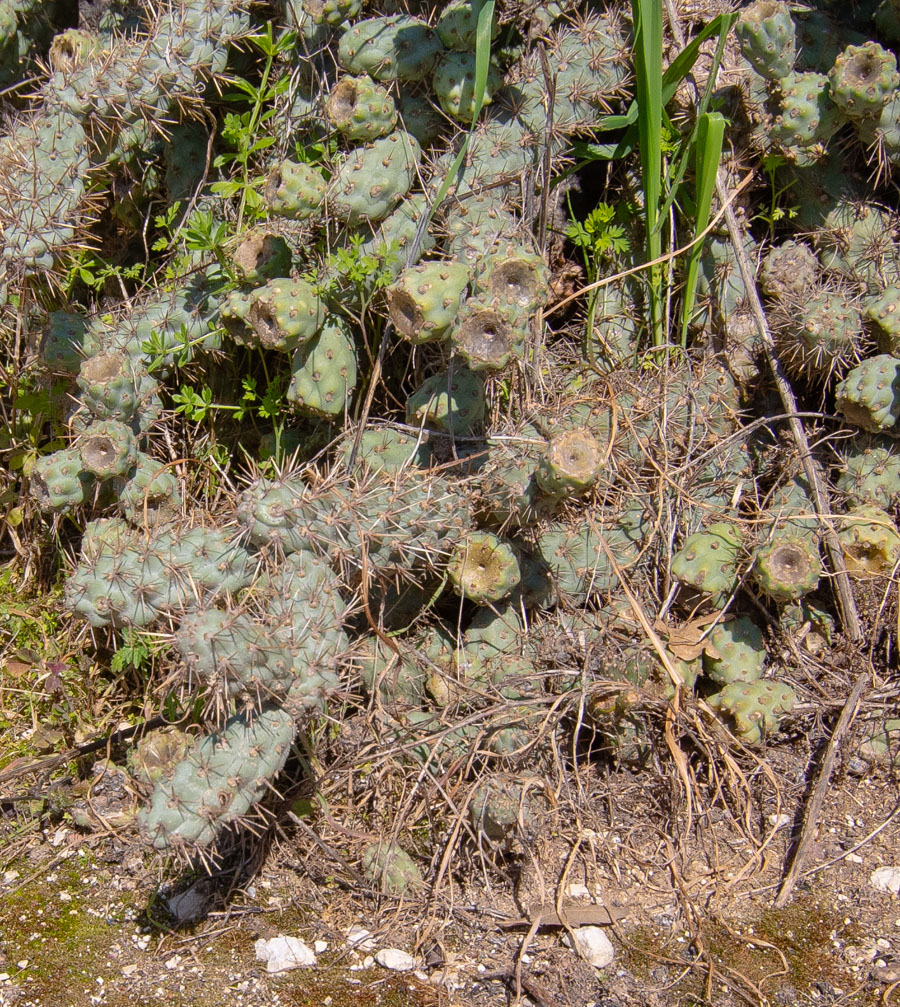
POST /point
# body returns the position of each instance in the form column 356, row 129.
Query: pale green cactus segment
column 331, row 12
column 806, row 114
column 768, row 38
column 513, row 275
column 218, row 782
column 383, row 449
column 487, row 334
column 371, row 180
column 454, row 85
column 756, row 709
column 787, row 567
column 452, row 401
column 825, row 339
column 295, row 190
column 863, row 79
column 708, row 560
column 484, row 568
column 789, row 272
column 261, row 256
column 571, row 464
column 870, row 394
column 361, row 109
column 324, row 372
column 391, row 870
column 396, row 47
column 148, row 492
column 501, row 805
column 870, row 542
column 425, row 300
column 735, row 651
column 62, row 344
column 872, row 473
column 108, row 448
column 457, row 25
column 60, row 482
column 285, row 314
column 883, row 308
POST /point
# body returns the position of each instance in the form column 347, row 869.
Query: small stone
column 886, row 879
column 9, row 877
column 129, row 970
column 593, row 945
column 395, row 959
column 778, row 821
column 283, row 953
column 854, row 858
column 320, row 946
column 359, row 937
column 173, row 962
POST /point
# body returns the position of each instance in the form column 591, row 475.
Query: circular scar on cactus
column 571, row 464
column 484, row 569
column 485, row 340
column 105, row 455
column 787, row 568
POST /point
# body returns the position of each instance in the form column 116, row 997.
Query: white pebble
column 886, row 879
column 593, row 945
column 395, row 959
column 282, row 953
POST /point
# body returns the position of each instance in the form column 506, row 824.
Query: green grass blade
column 710, row 135
column 647, row 20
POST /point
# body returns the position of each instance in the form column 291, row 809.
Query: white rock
column 320, row 946
column 576, row 890
column 282, row 953
column 778, row 821
column 395, row 959
column 593, row 945
column 886, row 879
column 360, row 938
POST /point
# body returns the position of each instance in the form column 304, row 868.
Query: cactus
column 499, row 805
column 806, row 115
column 863, row 79
column 451, row 401
column 512, row 275
column 332, row 12
column 789, row 272
column 884, row 310
column 148, row 492
column 391, row 869
column 824, row 340
column 454, row 84
column 108, row 448
column 871, row 473
column 458, row 22
column 487, row 335
column 372, row 179
column 767, row 35
column 571, row 464
column 483, row 568
column 324, row 372
column 59, row 482
column 383, row 449
column 425, row 300
column 62, row 343
column 870, row 542
column 284, row 314
column 756, row 708
column 397, row 47
column 261, row 256
column 361, row 109
column 708, row 561
column 294, row 190
column 787, row 567
column 219, row 780
column 870, row 394
column 735, row 652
